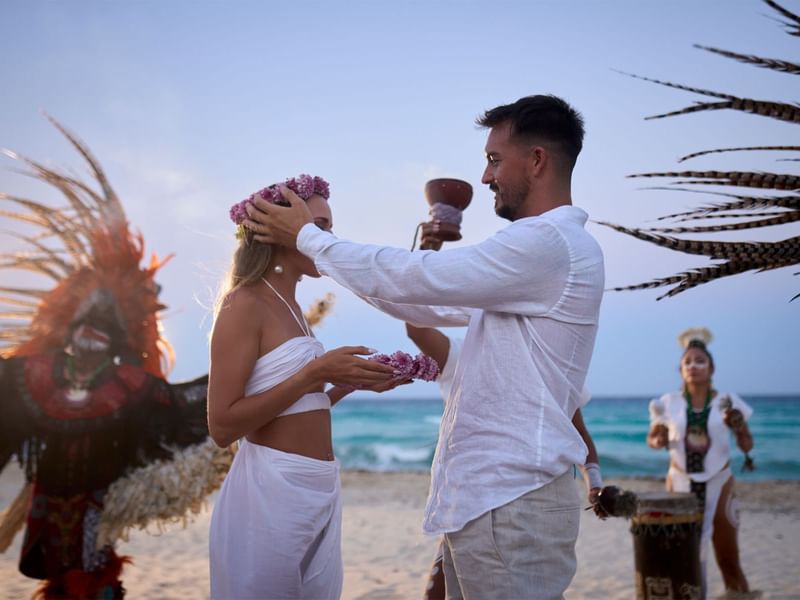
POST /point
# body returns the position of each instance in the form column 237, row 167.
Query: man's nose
column 487, row 177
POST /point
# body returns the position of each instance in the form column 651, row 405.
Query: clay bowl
column 455, row 192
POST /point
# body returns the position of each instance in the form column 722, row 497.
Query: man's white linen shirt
column 530, row 295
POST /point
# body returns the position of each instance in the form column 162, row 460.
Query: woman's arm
column 234, row 351
column 338, row 392
column 744, row 439
column 735, row 420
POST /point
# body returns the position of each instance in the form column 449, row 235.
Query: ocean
column 400, row 435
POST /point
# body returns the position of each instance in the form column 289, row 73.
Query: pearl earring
column 278, row 269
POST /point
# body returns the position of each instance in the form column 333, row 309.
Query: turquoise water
column 386, row 435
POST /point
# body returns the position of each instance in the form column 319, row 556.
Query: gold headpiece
column 694, row 333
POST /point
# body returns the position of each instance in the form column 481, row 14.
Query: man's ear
column 538, row 158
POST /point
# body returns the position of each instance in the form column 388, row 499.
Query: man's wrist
column 311, row 240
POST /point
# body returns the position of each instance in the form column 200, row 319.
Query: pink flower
column 422, row 367
column 303, row 185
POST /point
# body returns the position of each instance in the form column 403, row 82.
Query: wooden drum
column 666, row 546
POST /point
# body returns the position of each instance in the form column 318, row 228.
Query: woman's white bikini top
column 285, row 360
column 282, row 362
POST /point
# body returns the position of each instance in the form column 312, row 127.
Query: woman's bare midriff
column 306, row 433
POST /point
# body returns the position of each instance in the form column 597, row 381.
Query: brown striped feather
column 742, row 149
column 774, row 64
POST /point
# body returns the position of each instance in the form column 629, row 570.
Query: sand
column 387, row 557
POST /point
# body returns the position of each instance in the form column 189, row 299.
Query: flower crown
column 302, row 185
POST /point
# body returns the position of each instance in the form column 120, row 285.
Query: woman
column 276, row 527
column 694, row 425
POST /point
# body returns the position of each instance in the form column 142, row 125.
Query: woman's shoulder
column 245, row 298
column 242, row 305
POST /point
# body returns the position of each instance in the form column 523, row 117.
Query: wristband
column 592, row 476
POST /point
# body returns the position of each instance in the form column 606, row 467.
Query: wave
column 385, row 457
column 401, row 435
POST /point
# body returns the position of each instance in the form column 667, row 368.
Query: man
column 445, row 350
column 501, row 481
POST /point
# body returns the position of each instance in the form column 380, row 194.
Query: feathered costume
column 104, row 447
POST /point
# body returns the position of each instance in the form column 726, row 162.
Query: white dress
column 276, row 527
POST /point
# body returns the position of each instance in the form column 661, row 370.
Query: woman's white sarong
column 276, row 528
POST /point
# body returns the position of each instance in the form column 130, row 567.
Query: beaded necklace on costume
column 78, row 391
column 303, row 324
column 697, row 441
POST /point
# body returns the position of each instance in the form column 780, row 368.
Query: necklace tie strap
column 303, row 324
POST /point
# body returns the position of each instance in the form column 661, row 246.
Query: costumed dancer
column 276, row 527
column 84, row 404
column 694, row 424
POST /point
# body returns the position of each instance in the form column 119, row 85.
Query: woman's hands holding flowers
column 343, row 367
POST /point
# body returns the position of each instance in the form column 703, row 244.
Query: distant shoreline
column 599, row 397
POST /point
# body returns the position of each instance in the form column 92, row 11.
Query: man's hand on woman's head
column 274, row 224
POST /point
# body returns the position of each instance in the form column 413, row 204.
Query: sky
column 193, row 105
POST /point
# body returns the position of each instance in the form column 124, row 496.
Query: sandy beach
column 387, row 557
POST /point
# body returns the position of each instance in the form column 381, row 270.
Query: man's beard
column 508, row 201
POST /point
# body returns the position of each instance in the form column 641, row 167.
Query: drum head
column 670, row 503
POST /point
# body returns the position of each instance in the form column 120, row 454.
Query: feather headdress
column 694, row 333
column 82, row 248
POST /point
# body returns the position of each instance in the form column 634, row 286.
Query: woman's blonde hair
column 249, row 262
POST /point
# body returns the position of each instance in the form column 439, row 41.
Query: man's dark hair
column 541, row 117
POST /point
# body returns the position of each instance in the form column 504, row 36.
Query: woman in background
column 694, row 424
